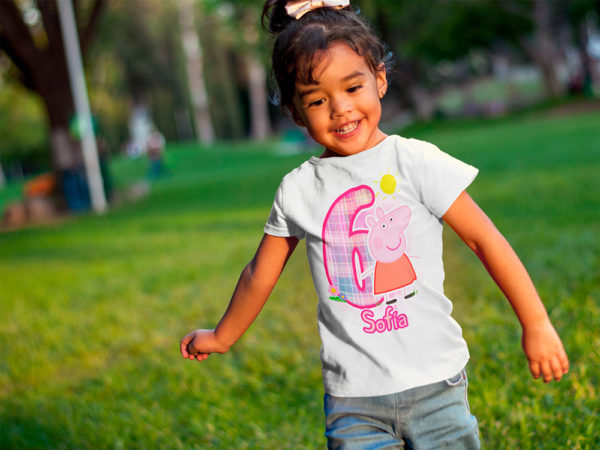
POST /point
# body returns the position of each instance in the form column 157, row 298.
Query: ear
column 371, row 222
column 403, row 214
column 382, row 84
column 296, row 116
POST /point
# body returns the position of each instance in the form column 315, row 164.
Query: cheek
column 378, row 243
column 315, row 122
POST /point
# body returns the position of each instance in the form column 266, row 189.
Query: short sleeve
column 279, row 223
column 442, row 178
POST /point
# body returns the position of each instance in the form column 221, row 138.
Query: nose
column 340, row 106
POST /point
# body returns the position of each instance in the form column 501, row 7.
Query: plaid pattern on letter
column 345, row 252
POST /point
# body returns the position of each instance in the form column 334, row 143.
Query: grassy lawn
column 92, row 309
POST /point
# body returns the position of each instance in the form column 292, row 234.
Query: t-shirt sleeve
column 442, row 179
column 279, row 223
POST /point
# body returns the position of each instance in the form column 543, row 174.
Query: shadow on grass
column 20, row 431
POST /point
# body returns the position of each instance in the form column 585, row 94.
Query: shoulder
column 419, row 146
column 296, row 178
column 424, row 153
column 299, row 174
column 410, row 150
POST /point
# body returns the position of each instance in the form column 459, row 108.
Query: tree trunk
column 544, row 52
column 582, row 41
column 193, row 55
column 44, row 70
column 260, row 125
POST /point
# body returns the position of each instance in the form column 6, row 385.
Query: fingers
column 198, row 357
column 535, row 369
column 553, row 368
column 564, row 362
column 183, row 346
column 546, row 371
column 557, row 369
column 186, row 353
column 202, row 356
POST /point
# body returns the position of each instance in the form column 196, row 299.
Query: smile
column 396, row 247
column 348, row 128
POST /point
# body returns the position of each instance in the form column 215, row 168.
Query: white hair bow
column 299, row 8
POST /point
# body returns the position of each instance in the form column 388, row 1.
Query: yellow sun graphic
column 387, row 183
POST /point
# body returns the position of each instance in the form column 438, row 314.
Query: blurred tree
column 249, row 44
column 139, row 45
column 550, row 19
column 541, row 45
column 195, row 74
column 579, row 13
column 231, row 34
column 30, row 36
column 424, row 33
column 218, row 40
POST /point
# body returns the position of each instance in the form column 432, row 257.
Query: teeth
column 347, row 128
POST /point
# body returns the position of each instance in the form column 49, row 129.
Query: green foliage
column 92, row 309
column 23, row 128
column 438, row 30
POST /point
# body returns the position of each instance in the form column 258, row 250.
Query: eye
column 354, row 88
column 384, row 226
column 316, row 103
column 391, row 219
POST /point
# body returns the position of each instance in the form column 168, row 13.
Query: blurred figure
column 156, row 148
column 140, row 130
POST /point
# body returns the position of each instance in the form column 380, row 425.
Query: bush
column 23, row 130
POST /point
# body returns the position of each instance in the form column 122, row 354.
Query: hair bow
column 299, row 8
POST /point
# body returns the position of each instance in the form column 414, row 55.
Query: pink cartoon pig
column 387, row 244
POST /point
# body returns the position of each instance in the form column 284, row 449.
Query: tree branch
column 90, row 30
column 49, row 10
column 16, row 41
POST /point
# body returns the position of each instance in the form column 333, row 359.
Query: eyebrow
column 355, row 74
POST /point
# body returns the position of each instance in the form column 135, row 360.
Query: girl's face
column 342, row 110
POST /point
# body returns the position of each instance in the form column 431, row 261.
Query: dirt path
column 575, row 107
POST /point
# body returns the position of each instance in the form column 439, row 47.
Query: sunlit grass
column 92, row 309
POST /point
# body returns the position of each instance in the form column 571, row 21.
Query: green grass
column 92, row 309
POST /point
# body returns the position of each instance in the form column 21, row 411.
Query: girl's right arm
column 252, row 291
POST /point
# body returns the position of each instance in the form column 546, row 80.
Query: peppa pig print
column 393, row 270
column 364, row 252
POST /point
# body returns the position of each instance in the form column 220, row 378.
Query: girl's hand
column 200, row 344
column 545, row 352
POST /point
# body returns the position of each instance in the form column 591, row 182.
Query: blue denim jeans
column 427, row 417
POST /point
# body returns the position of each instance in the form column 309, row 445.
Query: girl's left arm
column 541, row 343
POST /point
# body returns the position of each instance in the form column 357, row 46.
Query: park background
column 92, row 306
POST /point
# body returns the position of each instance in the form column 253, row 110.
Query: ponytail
column 275, row 13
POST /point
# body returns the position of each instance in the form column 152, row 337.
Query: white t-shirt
column 373, row 229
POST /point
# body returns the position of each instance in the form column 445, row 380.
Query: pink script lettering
column 391, row 320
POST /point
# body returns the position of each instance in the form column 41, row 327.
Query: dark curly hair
column 300, row 44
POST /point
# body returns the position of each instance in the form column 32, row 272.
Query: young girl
column 371, row 208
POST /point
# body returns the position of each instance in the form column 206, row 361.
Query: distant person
column 155, row 148
column 140, row 130
column 371, row 209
